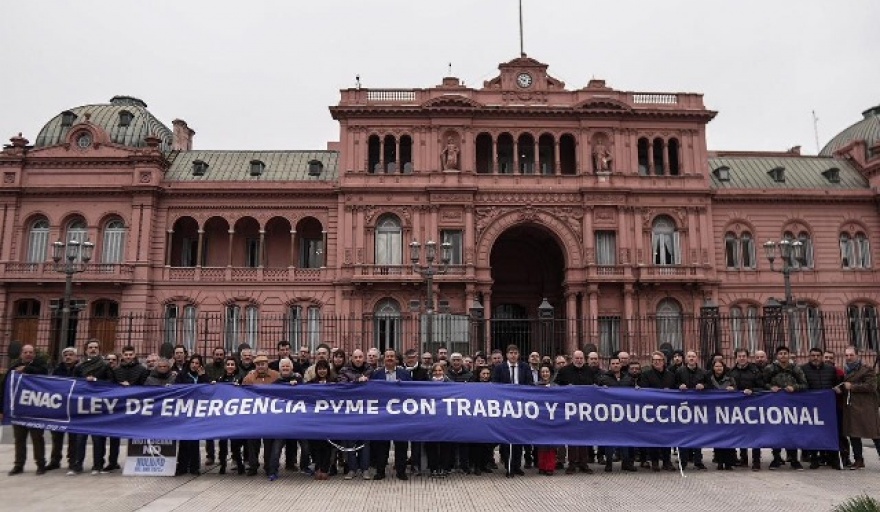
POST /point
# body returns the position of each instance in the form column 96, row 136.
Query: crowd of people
column 855, row 385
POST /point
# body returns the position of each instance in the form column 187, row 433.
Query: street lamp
column 70, row 258
column 792, row 255
column 428, row 271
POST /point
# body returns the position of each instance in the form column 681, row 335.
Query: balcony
column 43, row 272
column 672, row 273
column 245, row 274
column 364, row 273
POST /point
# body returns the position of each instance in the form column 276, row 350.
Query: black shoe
column 195, row 472
column 41, row 470
column 629, row 467
column 608, row 468
column 700, row 466
column 519, row 472
column 252, row 472
column 796, row 465
column 776, row 464
column 379, row 476
column 508, row 474
column 756, row 465
column 110, row 467
column 477, row 472
column 814, row 464
column 53, row 465
column 240, row 469
column 222, row 469
column 401, row 475
column 488, row 470
column 667, row 466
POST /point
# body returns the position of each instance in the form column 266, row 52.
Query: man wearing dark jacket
column 658, row 377
column 578, row 373
column 381, row 449
column 691, row 376
column 129, row 372
column 512, row 371
column 820, row 376
column 161, row 375
column 617, row 378
column 93, row 368
column 749, row 378
column 781, row 375
column 69, row 359
column 28, row 364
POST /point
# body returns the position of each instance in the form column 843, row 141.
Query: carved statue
column 449, row 156
column 603, row 157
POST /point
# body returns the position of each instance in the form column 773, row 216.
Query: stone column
column 293, row 248
column 260, row 248
column 571, row 322
column 229, row 253
column 200, row 246
column 168, row 239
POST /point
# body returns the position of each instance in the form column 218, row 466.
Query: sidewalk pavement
column 741, row 489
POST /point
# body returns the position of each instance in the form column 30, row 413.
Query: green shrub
column 863, row 503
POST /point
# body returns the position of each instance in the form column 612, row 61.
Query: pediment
column 451, row 101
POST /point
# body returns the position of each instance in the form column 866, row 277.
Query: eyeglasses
column 657, row 359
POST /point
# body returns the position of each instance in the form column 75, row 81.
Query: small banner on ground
column 150, row 457
column 427, row 411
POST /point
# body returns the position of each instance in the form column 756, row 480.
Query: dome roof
column 125, row 119
column 868, row 130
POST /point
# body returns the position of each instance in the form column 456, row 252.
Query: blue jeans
column 358, row 460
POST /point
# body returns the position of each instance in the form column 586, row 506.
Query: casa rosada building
column 606, row 203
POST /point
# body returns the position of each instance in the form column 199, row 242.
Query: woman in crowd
column 721, row 379
column 482, row 453
column 231, row 376
column 321, row 450
column 546, row 454
column 188, row 459
column 438, row 453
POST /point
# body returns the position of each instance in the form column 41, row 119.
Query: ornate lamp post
column 70, row 258
column 428, row 271
column 792, row 255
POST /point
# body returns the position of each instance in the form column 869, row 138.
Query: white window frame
column 38, row 241
column 389, row 241
column 114, row 242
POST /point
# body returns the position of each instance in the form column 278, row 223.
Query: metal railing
column 800, row 330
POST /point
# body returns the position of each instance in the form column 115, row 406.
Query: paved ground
column 781, row 490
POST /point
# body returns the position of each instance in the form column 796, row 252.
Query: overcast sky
column 261, row 74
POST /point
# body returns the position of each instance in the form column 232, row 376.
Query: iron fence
column 200, row 333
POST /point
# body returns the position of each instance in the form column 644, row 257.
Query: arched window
column 731, row 250
column 665, row 242
column 180, row 325
column 387, row 325
column 643, row 152
column 38, row 241
column 389, row 241
column 744, row 327
column 808, row 329
column 863, row 326
column 674, row 164
column 114, row 242
column 504, row 156
column 748, row 257
column 389, row 154
column 77, row 231
column 669, row 323
column 807, row 242
column 374, row 154
column 242, row 326
column 525, row 150
column 304, row 329
column 659, row 157
column 484, row 153
column 863, row 251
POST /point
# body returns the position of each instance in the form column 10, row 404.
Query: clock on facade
column 524, row 80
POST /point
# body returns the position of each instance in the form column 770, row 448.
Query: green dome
column 868, row 130
column 125, row 119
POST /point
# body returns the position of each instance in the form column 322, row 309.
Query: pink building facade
column 606, row 203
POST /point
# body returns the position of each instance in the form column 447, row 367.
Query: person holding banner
column 438, row 453
column 321, row 449
column 261, row 375
column 658, row 377
column 230, row 376
column 617, row 378
column 722, row 379
column 860, row 415
column 482, row 453
column 516, row 372
column 188, row 459
column 69, row 359
column 94, row 368
column 748, row 378
column 780, row 375
column 28, row 364
column 390, row 372
column 691, row 376
column 578, row 373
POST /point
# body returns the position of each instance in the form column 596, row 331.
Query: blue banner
column 427, row 411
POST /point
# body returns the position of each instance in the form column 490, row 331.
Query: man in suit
column 379, row 450
column 512, row 371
